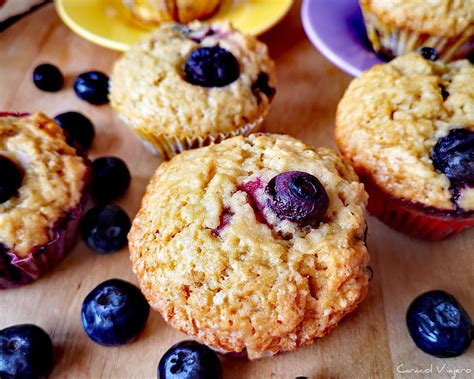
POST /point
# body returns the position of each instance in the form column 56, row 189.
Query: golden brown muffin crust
column 248, row 287
column 149, row 92
column 52, row 185
column 391, row 117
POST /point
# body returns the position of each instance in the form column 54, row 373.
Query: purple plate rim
column 327, row 50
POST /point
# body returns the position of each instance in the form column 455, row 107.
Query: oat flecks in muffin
column 250, row 285
column 149, row 92
column 53, row 181
column 391, row 117
column 444, row 18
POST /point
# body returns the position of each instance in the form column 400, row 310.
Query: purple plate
column 337, row 30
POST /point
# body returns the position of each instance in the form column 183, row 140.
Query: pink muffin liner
column 16, row 271
column 414, row 219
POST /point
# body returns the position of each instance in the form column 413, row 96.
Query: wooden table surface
column 371, row 342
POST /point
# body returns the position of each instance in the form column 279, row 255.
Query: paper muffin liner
column 415, row 219
column 390, row 41
column 15, row 271
column 168, row 146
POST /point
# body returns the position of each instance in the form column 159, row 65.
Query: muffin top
column 188, row 10
column 408, row 125
column 161, row 86
column 167, row 10
column 444, row 18
column 51, row 181
column 222, row 264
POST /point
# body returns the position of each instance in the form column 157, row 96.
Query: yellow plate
column 108, row 23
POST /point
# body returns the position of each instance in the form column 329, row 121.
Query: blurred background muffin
column 172, row 10
column 398, row 26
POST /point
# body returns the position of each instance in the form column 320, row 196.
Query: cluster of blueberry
column 104, row 228
column 91, row 86
column 113, row 313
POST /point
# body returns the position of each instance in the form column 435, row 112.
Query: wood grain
column 370, row 343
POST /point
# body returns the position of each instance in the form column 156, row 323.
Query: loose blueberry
column 439, row 325
column 10, row 179
column 189, row 360
column 47, row 77
column 104, row 228
column 211, row 67
column 78, row 129
column 110, row 178
column 298, row 196
column 114, row 313
column 262, row 86
column 93, row 87
column 429, row 53
column 453, row 155
column 26, row 352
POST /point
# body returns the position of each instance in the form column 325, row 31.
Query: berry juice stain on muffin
column 198, row 35
column 256, row 197
column 218, row 255
column 225, row 218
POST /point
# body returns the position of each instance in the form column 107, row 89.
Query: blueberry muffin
column 255, row 243
column 408, row 129
column 396, row 27
column 42, row 194
column 172, row 10
column 184, row 87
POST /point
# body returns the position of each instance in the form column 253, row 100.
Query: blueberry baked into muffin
column 172, row 10
column 397, row 27
column 42, row 195
column 408, row 129
column 255, row 243
column 184, row 87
